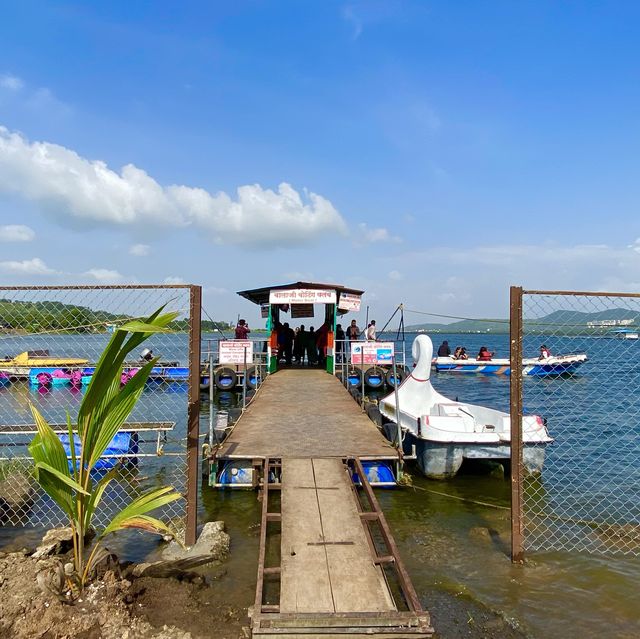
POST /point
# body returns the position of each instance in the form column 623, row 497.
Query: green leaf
column 61, row 477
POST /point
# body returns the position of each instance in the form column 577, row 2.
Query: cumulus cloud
column 366, row 235
column 105, row 275
column 88, row 193
column 395, row 275
column 139, row 250
column 34, row 266
column 173, row 280
column 16, row 233
column 11, row 82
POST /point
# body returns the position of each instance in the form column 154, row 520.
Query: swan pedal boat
column 445, row 432
column 549, row 367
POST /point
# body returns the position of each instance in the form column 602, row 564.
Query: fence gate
column 587, row 497
column 50, row 338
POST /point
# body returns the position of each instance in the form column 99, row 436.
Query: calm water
column 454, row 535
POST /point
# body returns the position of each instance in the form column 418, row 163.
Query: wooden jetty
column 328, row 564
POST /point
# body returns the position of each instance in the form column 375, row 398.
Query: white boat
column 445, row 432
column 625, row 333
column 552, row 366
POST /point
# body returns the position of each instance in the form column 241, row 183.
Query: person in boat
column 371, row 331
column 544, row 352
column 242, row 329
column 456, row 353
column 463, row 353
column 484, row 354
column 444, row 350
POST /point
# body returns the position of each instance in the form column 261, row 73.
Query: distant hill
column 567, row 321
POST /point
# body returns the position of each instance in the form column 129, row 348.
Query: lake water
column 454, row 535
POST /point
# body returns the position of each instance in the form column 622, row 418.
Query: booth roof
column 261, row 295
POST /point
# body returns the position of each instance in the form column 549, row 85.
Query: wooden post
column 515, row 356
column 193, row 414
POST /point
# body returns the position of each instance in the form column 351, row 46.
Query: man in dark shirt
column 444, row 350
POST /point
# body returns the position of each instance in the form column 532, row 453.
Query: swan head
column 422, row 352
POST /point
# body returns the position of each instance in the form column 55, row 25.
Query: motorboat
column 552, row 366
column 446, row 432
column 625, row 333
column 23, row 365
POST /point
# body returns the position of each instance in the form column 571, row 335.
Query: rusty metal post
column 193, row 414
column 515, row 356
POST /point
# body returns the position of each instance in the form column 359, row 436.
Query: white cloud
column 11, row 82
column 88, row 193
column 105, row 275
column 366, row 235
column 34, row 266
column 173, row 280
column 395, row 275
column 139, row 250
column 16, row 233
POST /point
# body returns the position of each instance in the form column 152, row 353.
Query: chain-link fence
column 50, row 341
column 581, row 374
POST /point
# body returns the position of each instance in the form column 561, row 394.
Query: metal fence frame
column 193, row 401
column 517, row 294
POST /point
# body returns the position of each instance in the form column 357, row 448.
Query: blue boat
column 553, row 366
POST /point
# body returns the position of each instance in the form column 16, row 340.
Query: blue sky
column 431, row 152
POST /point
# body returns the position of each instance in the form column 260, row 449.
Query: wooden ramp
column 304, row 413
column 330, row 574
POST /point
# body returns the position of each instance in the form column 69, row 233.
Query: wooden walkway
column 326, row 562
column 304, row 413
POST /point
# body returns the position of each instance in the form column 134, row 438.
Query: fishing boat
column 446, row 432
column 552, row 366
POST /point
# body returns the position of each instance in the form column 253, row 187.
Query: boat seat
column 448, row 410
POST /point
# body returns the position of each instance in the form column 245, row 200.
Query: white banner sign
column 302, row 296
column 371, row 353
column 232, row 351
column 349, row 302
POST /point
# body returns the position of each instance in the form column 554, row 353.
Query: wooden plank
column 357, row 584
column 304, row 583
column 304, row 413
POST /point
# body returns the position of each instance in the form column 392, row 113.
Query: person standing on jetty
column 242, row 329
column 353, row 331
column 371, row 331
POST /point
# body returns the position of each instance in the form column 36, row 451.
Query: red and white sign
column 302, row 296
column 232, row 351
column 364, row 353
column 349, row 302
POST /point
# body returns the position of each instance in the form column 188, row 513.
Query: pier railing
column 51, row 337
column 587, row 497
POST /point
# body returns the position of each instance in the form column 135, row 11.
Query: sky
column 431, row 153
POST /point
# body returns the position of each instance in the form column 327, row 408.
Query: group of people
column 484, row 354
column 460, row 352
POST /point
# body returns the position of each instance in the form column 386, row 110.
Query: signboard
column 301, row 310
column 369, row 353
column 302, row 295
column 264, row 310
column 232, row 351
column 349, row 302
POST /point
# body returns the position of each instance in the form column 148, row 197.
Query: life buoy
column 401, row 373
column 253, row 377
column 225, row 378
column 374, row 377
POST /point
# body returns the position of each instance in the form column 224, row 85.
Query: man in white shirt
column 371, row 331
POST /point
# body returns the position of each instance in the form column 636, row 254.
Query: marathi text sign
column 232, row 351
column 372, row 353
column 349, row 302
column 302, row 296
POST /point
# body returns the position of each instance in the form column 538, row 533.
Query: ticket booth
column 300, row 300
